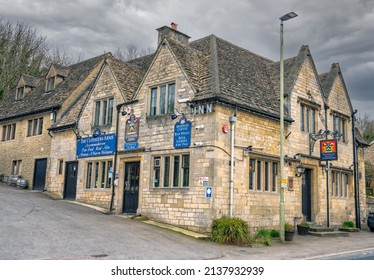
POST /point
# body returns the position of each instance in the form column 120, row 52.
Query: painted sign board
column 132, row 133
column 329, row 149
column 182, row 133
column 103, row 145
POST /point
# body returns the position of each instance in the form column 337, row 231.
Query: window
column 171, row 171
column 339, row 124
column 162, row 99
column 16, row 167
column 35, row 127
column 307, row 118
column 104, row 111
column 263, row 175
column 340, row 184
column 20, row 93
column 9, row 132
column 99, row 174
column 60, row 166
column 50, row 84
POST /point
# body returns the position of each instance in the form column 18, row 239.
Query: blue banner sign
column 102, row 145
column 131, row 146
column 182, row 134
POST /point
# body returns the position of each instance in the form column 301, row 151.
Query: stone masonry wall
column 26, row 148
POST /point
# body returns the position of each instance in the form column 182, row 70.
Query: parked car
column 371, row 220
column 22, row 183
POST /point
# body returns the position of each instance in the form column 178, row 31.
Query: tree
column 131, row 52
column 22, row 51
column 366, row 127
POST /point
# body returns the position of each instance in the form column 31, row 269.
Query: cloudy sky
column 336, row 30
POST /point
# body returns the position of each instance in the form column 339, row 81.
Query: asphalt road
column 34, row 226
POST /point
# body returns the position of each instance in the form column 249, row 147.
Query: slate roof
column 129, row 77
column 232, row 74
column 38, row 101
column 30, row 80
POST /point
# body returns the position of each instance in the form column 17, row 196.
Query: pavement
column 302, row 247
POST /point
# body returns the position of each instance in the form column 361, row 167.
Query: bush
column 263, row 236
column 274, row 233
column 348, row 224
column 230, row 231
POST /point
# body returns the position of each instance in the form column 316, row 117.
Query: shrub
column 274, row 233
column 288, row 227
column 264, row 236
column 230, row 231
column 348, row 224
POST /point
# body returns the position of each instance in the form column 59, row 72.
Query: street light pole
column 281, row 113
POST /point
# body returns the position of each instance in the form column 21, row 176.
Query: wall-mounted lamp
column 300, row 169
column 174, row 115
column 127, row 111
column 78, row 134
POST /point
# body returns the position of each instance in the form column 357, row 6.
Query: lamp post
column 281, row 112
column 118, row 107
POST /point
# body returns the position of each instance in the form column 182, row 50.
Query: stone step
column 329, row 233
column 320, row 229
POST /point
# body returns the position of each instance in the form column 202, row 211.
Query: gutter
column 223, row 100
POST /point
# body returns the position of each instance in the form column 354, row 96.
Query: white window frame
column 16, row 167
column 166, row 173
column 103, row 115
column 162, row 99
column 308, row 115
column 340, row 184
column 263, row 175
column 20, row 93
column 340, row 126
column 97, row 174
column 35, row 127
column 50, row 84
column 9, row 132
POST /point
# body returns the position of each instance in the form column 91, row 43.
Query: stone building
column 183, row 112
column 27, row 111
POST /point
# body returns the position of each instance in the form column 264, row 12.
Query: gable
column 338, row 99
column 166, row 68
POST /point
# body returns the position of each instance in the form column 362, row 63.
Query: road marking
column 341, row 253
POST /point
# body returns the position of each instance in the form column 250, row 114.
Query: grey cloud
column 336, row 30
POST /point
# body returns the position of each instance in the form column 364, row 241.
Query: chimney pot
column 174, row 25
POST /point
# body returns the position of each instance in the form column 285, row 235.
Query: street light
column 281, row 112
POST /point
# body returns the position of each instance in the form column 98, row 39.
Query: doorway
column 71, row 176
column 131, row 187
column 306, row 194
column 40, row 174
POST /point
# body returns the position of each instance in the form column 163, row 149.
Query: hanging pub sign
column 182, row 133
column 95, row 146
column 132, row 133
column 329, row 149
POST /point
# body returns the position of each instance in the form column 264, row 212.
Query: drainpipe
column 232, row 125
column 355, row 173
column 119, row 106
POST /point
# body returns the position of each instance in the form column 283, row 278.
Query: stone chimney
column 172, row 33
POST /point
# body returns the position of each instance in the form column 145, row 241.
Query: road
column 33, row 226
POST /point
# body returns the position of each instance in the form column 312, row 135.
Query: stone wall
column 26, row 148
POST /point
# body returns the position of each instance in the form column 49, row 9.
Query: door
column 71, row 173
column 131, row 187
column 307, row 194
column 39, row 174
